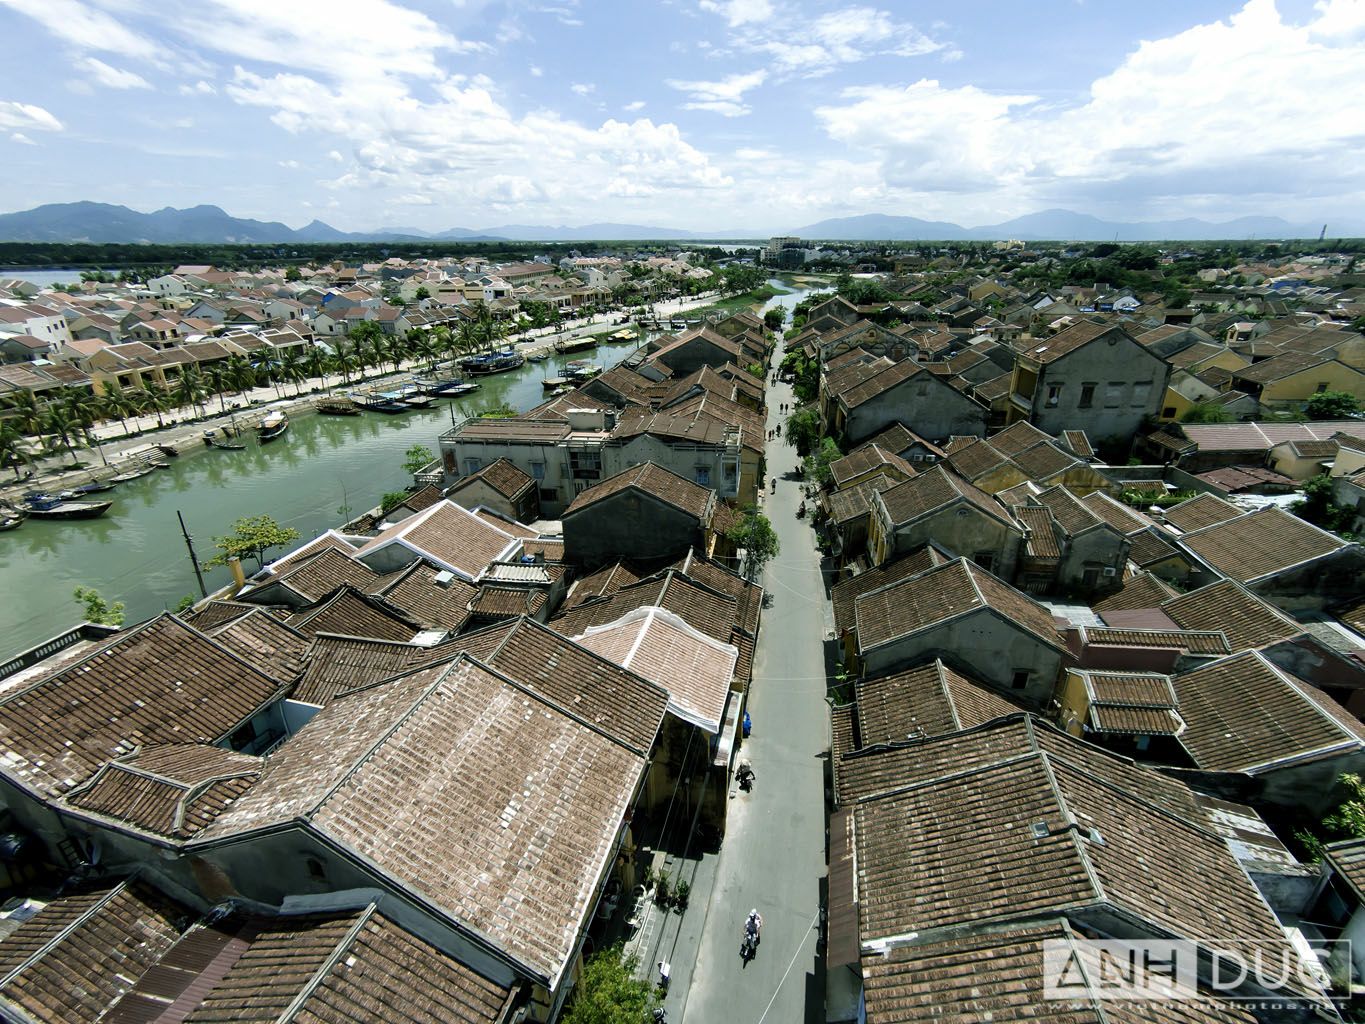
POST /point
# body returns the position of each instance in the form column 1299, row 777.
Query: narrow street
column 773, row 857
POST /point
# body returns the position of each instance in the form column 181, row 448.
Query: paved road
column 773, row 857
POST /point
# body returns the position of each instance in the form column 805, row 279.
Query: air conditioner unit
column 1109, row 570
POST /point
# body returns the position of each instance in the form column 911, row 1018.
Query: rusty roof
column 925, row 701
column 1244, row 618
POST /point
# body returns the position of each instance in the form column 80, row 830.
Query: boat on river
column 553, row 383
column 492, row 362
column 211, row 440
column 388, row 402
column 580, row 370
column 93, row 487
column 337, row 405
column 11, row 518
column 575, row 344
column 539, row 356
column 41, row 505
column 147, row 469
column 272, row 425
column 444, row 387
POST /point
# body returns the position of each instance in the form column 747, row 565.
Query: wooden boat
column 273, row 425
column 492, row 362
column 137, row 474
column 228, row 446
column 167, row 449
column 337, row 405
column 539, row 356
column 93, row 487
column 575, row 344
column 444, row 387
column 580, row 370
column 50, row 506
column 551, row 383
column 416, row 401
column 11, row 518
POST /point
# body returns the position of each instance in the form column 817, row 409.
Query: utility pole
column 194, row 559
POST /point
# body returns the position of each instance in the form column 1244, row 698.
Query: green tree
column 774, row 318
column 292, row 274
column 1346, row 822
column 63, row 430
column 610, row 993
column 13, row 452
column 817, row 463
column 1319, row 506
column 417, row 458
column 1206, row 412
column 390, row 499
column 803, row 430
column 251, row 537
column 97, row 609
column 421, row 293
column 1332, row 405
column 755, row 534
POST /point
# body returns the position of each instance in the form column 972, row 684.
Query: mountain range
column 105, row 223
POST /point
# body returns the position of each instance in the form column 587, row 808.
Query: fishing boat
column 271, row 426
column 211, row 441
column 551, row 383
column 580, row 370
column 492, row 362
column 94, row 487
column 337, row 405
column 575, row 344
column 387, row 402
column 11, row 518
column 137, row 474
column 41, row 505
column 416, row 401
column 444, row 387
column 539, row 356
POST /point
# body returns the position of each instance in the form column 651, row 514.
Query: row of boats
column 577, row 372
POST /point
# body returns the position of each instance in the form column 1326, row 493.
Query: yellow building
column 1291, row 379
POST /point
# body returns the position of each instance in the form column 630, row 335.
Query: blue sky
column 699, row 114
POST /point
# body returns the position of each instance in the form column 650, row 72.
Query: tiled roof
column 527, row 801
column 338, row 664
column 602, row 583
column 501, row 475
column 1042, row 538
column 1118, row 515
column 352, row 613
column 1044, row 461
column 1141, row 703
column 1140, row 591
column 1260, row 544
column 1244, row 618
column 172, row 791
column 76, row 957
column 895, row 438
column 1346, row 858
column 505, row 602
column 974, row 458
column 449, row 535
column 1193, row 641
column 1078, row 442
column 865, row 460
column 656, row 481
column 320, row 574
column 1019, row 437
column 329, row 540
column 1252, row 437
column 217, row 613
column 847, row 591
column 925, row 701
column 854, row 502
column 1281, row 366
column 1200, row 511
column 920, row 602
column 433, row 604
column 1073, row 515
column 748, row 596
column 160, row 682
column 1242, row 713
column 1233, row 479
column 882, row 382
column 654, row 643
column 934, row 489
column 1147, row 548
column 262, row 640
column 1065, row 342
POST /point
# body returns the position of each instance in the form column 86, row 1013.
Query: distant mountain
column 1066, row 225
column 587, row 232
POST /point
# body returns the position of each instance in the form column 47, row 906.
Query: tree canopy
column 251, row 537
column 97, row 609
column 755, row 534
column 610, row 993
column 417, row 458
column 817, row 463
column 1332, row 405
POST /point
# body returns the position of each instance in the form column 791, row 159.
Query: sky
column 705, row 115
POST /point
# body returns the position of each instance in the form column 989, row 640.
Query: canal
column 323, row 465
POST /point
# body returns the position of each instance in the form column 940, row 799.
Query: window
column 1054, row 395
column 1142, row 391
column 471, row 466
column 1322, row 386
column 1019, row 680
column 1113, row 394
column 916, row 457
column 537, row 471
column 1087, row 396
column 1168, row 412
column 984, row 559
column 702, row 474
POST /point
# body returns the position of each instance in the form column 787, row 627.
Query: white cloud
column 583, row 88
column 111, row 77
column 87, row 28
column 332, row 154
column 536, row 71
column 22, row 139
column 1252, row 108
column 844, row 36
column 291, row 165
column 725, row 97
column 199, row 88
column 26, row 115
column 634, row 105
column 415, row 199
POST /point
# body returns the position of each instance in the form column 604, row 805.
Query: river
column 135, row 552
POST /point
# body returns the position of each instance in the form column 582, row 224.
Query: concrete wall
column 1099, row 548
column 989, row 646
column 555, row 459
column 1316, row 585
column 1311, row 788
column 926, row 405
column 966, row 534
column 1105, row 421
column 681, row 459
column 628, row 525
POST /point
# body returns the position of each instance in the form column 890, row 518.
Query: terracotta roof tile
column 349, row 612
column 847, row 591
column 1244, row 618
column 925, row 701
column 934, row 489
column 1200, row 511
column 654, row 480
column 1260, row 544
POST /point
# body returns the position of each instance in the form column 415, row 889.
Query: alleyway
column 773, row 857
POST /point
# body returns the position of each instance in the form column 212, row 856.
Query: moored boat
column 93, row 487
column 136, row 474
column 271, row 426
column 580, row 370
column 11, row 518
column 539, row 356
column 337, row 405
column 416, row 401
column 551, row 383
column 492, row 362
column 575, row 344
column 50, row 506
column 211, row 440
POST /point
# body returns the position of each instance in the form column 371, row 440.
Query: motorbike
column 745, row 777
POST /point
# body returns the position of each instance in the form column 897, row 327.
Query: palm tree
column 441, row 341
column 154, row 397
column 344, row 362
column 191, row 389
column 315, row 362
column 13, row 452
column 240, row 373
column 265, row 361
column 291, row 368
column 117, row 403
column 27, row 413
column 218, row 377
column 468, row 336
column 85, row 408
column 64, row 430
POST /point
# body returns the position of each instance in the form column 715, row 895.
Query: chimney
column 238, row 576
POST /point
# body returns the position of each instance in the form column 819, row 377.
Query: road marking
column 800, row 946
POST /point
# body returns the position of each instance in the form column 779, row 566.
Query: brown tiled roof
column 919, row 602
column 549, row 548
column 1140, row 591
column 866, row 459
column 1141, row 703
column 934, row 489
column 337, row 664
column 1078, row 442
column 656, row 481
column 172, row 791
column 1244, row 618
column 890, row 377
column 1260, row 544
column 352, row 613
column 856, row 501
column 748, row 596
column 1233, row 479
column 342, row 967
column 896, row 438
column 1019, row 437
column 851, row 372
column 77, row 956
column 602, row 583
column 435, row 605
column 1353, row 615
column 1118, row 515
column 1281, row 366
column 1242, row 713
column 518, row 428
column 320, row 574
column 925, row 701
column 975, row 458
column 1065, row 342
column 1042, row 538
column 1194, row 641
column 160, row 682
column 329, row 540
column 216, row 613
column 502, row 476
column 846, row 592
column 505, row 602
column 1071, row 513
column 1346, row 858
column 261, row 639
column 527, row 801
column 1200, row 511
column 450, row 535
column 1147, row 548
column 1044, row 461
